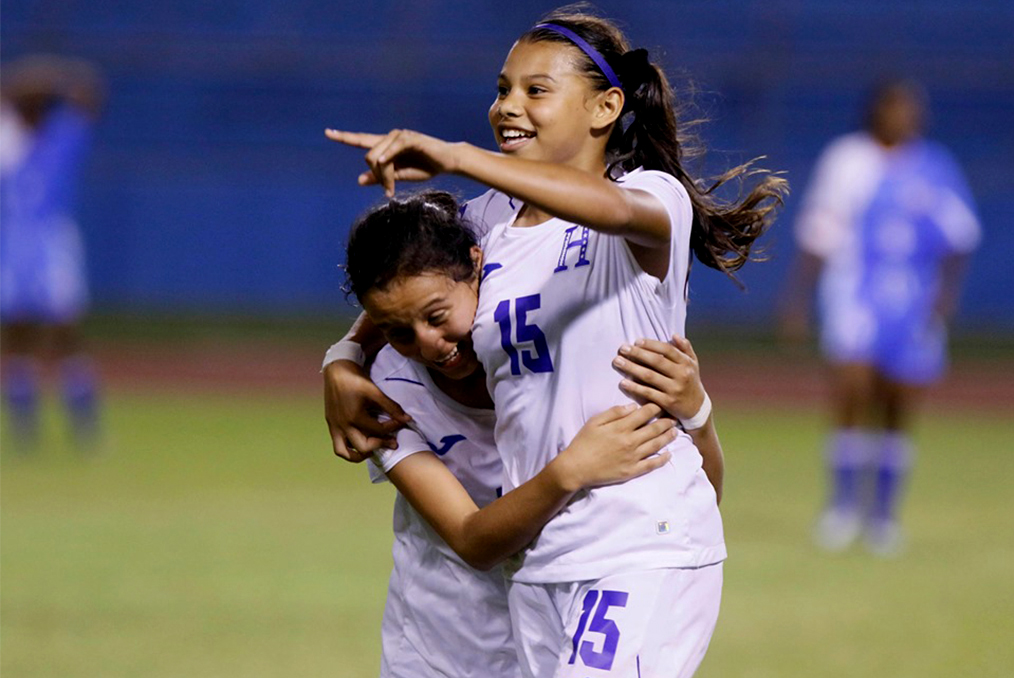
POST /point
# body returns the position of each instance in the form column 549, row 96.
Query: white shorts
column 635, row 625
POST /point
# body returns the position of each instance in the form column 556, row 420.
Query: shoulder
column 488, row 209
column 856, row 147
column 396, row 375
column 646, row 179
column 664, row 186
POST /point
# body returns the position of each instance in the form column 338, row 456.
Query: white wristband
column 699, row 419
column 346, row 349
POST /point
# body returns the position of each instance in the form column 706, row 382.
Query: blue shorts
column 907, row 350
column 42, row 273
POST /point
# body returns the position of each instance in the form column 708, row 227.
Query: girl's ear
column 608, row 107
column 476, row 254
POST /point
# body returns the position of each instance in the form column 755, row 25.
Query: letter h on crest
column 568, row 243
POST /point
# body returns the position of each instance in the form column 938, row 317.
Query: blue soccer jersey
column 42, row 275
column 883, row 221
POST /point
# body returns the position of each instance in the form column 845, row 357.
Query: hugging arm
column 619, row 444
column 668, row 374
column 353, row 404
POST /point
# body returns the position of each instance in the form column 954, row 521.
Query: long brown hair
column 648, row 135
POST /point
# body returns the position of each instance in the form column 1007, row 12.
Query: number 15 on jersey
column 510, row 314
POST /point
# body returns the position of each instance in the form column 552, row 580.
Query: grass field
column 218, row 536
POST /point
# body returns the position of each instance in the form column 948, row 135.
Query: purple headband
column 587, row 49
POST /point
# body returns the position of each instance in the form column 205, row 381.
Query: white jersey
column 555, row 303
column 442, row 617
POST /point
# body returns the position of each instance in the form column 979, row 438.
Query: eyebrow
column 536, row 76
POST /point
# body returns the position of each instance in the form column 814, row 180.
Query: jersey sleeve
column 383, row 460
column 823, row 223
column 955, row 211
column 390, row 375
column 674, row 197
column 488, row 210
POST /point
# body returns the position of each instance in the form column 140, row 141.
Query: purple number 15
column 536, row 360
column 599, row 602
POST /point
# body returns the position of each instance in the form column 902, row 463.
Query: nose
column 508, row 106
column 431, row 343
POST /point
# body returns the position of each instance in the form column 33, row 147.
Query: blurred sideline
column 282, row 357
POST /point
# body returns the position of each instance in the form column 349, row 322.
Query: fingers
column 650, row 376
column 639, row 417
column 684, row 345
column 357, row 139
column 613, row 414
column 653, row 462
column 392, row 409
column 343, row 450
column 643, row 393
column 659, row 429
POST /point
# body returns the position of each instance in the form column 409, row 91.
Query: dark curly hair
column 406, row 237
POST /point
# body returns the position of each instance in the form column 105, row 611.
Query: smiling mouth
column 514, row 138
column 451, row 357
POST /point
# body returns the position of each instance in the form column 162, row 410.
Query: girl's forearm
column 569, row 193
column 713, row 459
column 510, row 523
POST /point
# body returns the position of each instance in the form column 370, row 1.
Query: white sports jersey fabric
column 442, row 617
column 555, row 303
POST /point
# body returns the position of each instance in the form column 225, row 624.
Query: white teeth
column 451, row 356
column 514, row 134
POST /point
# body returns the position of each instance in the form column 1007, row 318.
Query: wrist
column 346, row 349
column 564, row 475
column 700, row 418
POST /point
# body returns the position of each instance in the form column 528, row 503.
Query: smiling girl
column 627, row 579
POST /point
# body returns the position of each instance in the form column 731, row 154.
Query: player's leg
column 78, row 380
column 893, row 459
column 914, row 356
column 537, row 626
column 654, row 623
column 19, row 342
column 847, row 454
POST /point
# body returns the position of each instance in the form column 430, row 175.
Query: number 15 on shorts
column 595, row 628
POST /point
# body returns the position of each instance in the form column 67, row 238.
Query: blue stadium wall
column 211, row 187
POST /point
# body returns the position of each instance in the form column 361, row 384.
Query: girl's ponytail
column 649, row 136
column 723, row 233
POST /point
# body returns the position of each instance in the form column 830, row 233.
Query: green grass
column 218, row 536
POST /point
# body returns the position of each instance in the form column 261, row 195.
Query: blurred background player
column 49, row 105
column 887, row 225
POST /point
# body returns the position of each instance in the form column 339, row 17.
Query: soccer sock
column 80, row 396
column 893, row 466
column 848, row 455
column 21, row 394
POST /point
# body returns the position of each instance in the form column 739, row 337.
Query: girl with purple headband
column 592, row 252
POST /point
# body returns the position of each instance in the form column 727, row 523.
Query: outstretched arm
column 619, row 444
column 572, row 194
column 669, row 375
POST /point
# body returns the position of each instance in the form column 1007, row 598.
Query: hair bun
column 635, row 69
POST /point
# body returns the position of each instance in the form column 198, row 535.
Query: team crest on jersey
column 571, row 241
column 446, row 443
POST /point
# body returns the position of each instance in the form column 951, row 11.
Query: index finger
column 663, row 348
column 358, row 139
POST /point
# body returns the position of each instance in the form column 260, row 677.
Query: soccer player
column 415, row 267
column 627, row 579
column 48, row 106
column 887, row 225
